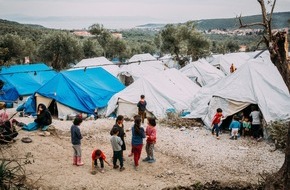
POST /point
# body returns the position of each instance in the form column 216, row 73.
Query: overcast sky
column 78, row 14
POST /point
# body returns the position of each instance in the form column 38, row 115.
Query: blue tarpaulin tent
column 82, row 90
column 23, row 80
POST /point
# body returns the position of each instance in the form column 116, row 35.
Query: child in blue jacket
column 235, row 126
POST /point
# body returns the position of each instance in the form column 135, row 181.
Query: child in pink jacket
column 151, row 140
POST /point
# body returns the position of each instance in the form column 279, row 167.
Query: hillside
column 31, row 31
column 280, row 20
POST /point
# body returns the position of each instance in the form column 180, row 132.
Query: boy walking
column 142, row 108
column 116, row 143
column 216, row 122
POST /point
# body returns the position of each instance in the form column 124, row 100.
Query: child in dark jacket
column 76, row 138
column 142, row 108
column 138, row 135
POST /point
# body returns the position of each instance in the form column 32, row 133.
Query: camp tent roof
column 224, row 61
column 256, row 82
column 82, row 90
column 202, row 72
column 99, row 62
column 26, row 79
column 168, row 60
column 142, row 58
column 169, row 89
column 141, row 64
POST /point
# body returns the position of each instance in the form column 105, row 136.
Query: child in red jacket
column 98, row 155
column 151, row 140
column 216, row 122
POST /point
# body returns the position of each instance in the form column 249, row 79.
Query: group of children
column 240, row 125
column 118, row 143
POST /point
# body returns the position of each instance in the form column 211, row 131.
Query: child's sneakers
column 146, row 159
column 151, row 160
column 116, row 167
column 217, row 137
column 122, row 169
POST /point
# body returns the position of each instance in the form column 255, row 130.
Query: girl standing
column 138, row 135
column 151, row 140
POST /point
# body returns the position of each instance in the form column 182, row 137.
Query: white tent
column 99, row 62
column 202, row 72
column 224, row 61
column 142, row 58
column 169, row 61
column 256, row 82
column 165, row 90
column 140, row 65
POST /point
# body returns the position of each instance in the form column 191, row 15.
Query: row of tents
column 199, row 88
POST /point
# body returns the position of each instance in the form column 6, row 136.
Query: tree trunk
column 279, row 56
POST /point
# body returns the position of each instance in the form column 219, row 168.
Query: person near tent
column 97, row 154
column 138, row 134
column 151, row 140
column 232, row 68
column 234, row 127
column 43, row 119
column 142, row 108
column 76, row 138
column 246, row 127
column 256, row 123
column 120, row 127
column 116, row 143
column 7, row 132
column 3, row 116
column 216, row 121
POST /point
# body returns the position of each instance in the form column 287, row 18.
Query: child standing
column 119, row 126
column 151, row 140
column 142, row 108
column 235, row 126
column 216, row 122
column 137, row 140
column 76, row 137
column 116, row 143
column 246, row 126
column 98, row 155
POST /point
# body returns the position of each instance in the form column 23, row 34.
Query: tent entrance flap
column 228, row 106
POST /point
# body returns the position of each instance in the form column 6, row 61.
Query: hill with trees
column 280, row 20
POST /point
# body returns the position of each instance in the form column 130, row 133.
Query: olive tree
column 60, row 49
column 184, row 41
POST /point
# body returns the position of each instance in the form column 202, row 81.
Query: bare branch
column 273, row 6
column 264, row 12
column 261, row 41
column 242, row 25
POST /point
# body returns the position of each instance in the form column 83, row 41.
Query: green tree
column 60, row 49
column 103, row 36
column 117, row 48
column 92, row 48
column 12, row 49
column 184, row 41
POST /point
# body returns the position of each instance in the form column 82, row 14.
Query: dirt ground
column 183, row 157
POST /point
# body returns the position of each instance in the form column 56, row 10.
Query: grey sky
column 69, row 14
